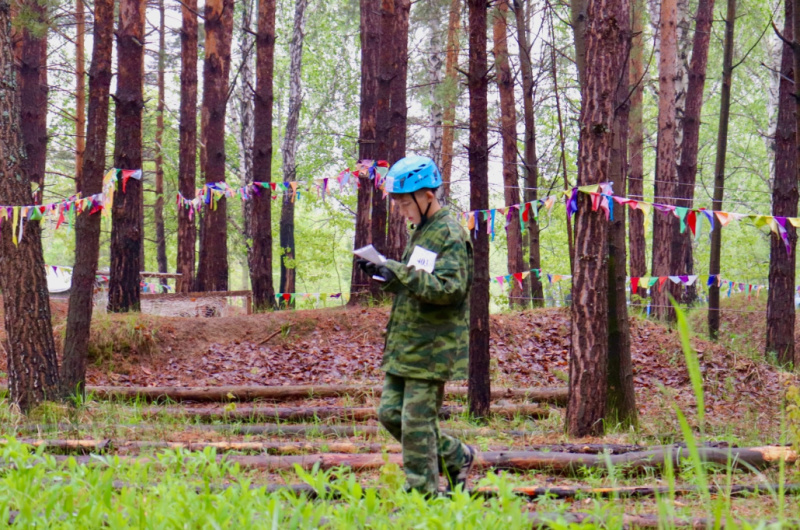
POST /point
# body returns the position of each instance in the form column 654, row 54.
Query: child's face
column 405, row 204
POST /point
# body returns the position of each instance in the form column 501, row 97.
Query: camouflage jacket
column 428, row 332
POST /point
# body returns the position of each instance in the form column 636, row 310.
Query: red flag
column 661, row 282
column 691, row 220
column 634, row 285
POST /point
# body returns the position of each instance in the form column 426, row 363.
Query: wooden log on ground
column 358, row 414
column 746, row 459
column 589, row 449
column 269, row 429
column 124, row 446
column 736, row 490
column 286, row 393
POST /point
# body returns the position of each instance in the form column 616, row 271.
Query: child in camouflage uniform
column 427, row 340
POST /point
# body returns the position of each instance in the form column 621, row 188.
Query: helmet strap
column 423, row 217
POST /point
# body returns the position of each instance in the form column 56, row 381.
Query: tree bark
column 606, row 53
column 33, row 90
column 561, row 135
column 621, row 403
column 212, row 273
column 246, row 119
column 683, row 256
column 288, row 265
column 158, row 211
column 397, row 236
column 780, row 297
column 530, row 159
column 719, row 168
column 477, row 80
column 87, row 226
column 666, row 175
column 508, row 131
column 260, row 259
column 80, row 91
column 187, row 165
column 435, row 68
column 31, row 352
column 387, row 71
column 126, row 215
column 370, row 47
column 637, row 244
column 450, row 100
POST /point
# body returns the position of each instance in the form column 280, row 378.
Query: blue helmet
column 413, row 173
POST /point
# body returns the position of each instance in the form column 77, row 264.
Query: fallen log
column 260, row 413
column 557, row 520
column 268, row 429
column 68, row 446
column 563, row 492
column 286, row 393
column 746, row 459
column 126, row 446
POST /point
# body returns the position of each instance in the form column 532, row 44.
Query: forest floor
column 743, row 392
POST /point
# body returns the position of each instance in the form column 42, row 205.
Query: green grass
column 181, row 489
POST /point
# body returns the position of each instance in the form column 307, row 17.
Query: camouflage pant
column 409, row 410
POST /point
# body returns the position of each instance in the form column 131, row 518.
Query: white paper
column 423, row 259
column 370, row 254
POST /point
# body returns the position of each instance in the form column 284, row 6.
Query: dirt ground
column 341, row 346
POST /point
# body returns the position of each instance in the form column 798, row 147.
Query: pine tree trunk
column 578, row 12
column 212, row 273
column 80, row 91
column 684, row 44
column 683, row 256
column 606, row 53
column 780, row 297
column 246, row 125
column 636, row 243
column 508, row 131
column 621, row 403
column 398, row 232
column 387, row 71
column 666, row 175
column 719, row 168
column 33, row 91
column 32, row 363
column 87, row 226
column 370, row 45
column 126, row 215
column 187, row 164
column 561, row 134
column 288, row 264
column 450, row 100
column 477, row 81
column 158, row 212
column 530, row 159
column 435, row 67
column 260, row 259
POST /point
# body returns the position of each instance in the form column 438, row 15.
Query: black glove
column 369, row 268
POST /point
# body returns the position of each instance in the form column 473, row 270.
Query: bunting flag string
column 601, row 194
column 691, row 218
column 211, row 193
column 646, row 282
column 65, row 210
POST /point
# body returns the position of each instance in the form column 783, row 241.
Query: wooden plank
column 203, row 294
